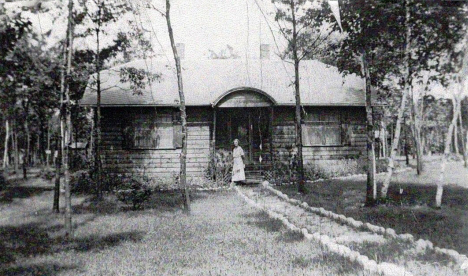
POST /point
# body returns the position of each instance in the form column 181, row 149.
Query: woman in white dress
column 238, row 174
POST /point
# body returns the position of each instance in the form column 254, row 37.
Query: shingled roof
column 206, row 80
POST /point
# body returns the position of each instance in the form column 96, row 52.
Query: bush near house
column 82, row 183
column 133, row 191
column 326, row 169
column 285, row 173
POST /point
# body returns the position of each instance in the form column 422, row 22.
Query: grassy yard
column 411, row 207
column 222, row 236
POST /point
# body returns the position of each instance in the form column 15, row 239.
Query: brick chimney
column 264, row 51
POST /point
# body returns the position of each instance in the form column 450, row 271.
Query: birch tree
column 371, row 49
column 401, row 109
column 460, row 83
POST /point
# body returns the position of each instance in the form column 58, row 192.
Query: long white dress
column 238, row 173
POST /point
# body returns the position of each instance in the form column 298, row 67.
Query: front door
column 250, row 126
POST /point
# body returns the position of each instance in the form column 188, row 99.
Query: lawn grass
column 410, row 208
column 222, row 236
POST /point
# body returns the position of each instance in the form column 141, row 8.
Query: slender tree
column 100, row 14
column 370, row 49
column 301, row 24
column 401, row 109
column 183, row 114
column 66, row 122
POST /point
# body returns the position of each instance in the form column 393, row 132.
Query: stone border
column 420, row 244
column 372, row 266
column 212, row 189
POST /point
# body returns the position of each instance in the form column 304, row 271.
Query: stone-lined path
column 382, row 248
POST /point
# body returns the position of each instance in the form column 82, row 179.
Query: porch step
column 254, row 176
column 249, row 181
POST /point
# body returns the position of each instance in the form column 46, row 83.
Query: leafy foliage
column 134, row 191
column 313, row 36
column 138, row 78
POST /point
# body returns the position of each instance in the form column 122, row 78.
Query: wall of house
column 352, row 129
column 162, row 164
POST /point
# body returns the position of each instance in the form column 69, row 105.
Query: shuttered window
column 322, row 128
column 150, row 129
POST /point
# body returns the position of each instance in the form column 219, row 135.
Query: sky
column 202, row 25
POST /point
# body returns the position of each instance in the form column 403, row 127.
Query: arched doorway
column 245, row 114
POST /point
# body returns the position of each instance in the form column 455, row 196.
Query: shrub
column 326, row 169
column 3, row 182
column 133, row 191
column 82, row 183
column 47, row 174
column 78, row 161
column 218, row 172
column 283, row 174
column 111, row 181
column 380, row 165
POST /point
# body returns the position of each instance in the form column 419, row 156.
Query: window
column 322, row 128
column 150, row 129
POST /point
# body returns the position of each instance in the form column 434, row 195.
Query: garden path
column 378, row 247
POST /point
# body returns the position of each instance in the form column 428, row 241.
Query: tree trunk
column 16, row 149
column 48, row 145
column 448, row 139
column 448, row 142
column 384, row 138
column 455, row 137
column 297, row 93
column 66, row 120
column 396, row 140
column 371, row 187
column 5, row 152
column 462, row 139
column 465, row 153
column 97, row 158
column 416, row 130
column 28, row 145
column 58, row 161
column 183, row 114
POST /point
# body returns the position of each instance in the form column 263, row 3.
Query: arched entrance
column 245, row 114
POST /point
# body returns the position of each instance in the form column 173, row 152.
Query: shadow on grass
column 35, row 269
column 34, row 239
column 342, row 265
column 291, row 237
column 261, row 220
column 11, row 192
column 409, row 208
column 161, row 201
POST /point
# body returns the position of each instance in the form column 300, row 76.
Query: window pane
column 150, row 130
column 312, row 135
column 321, row 135
column 332, row 135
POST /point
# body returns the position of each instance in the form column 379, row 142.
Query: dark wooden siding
column 353, row 131
column 162, row 163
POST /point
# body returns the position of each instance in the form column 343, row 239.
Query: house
column 250, row 100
